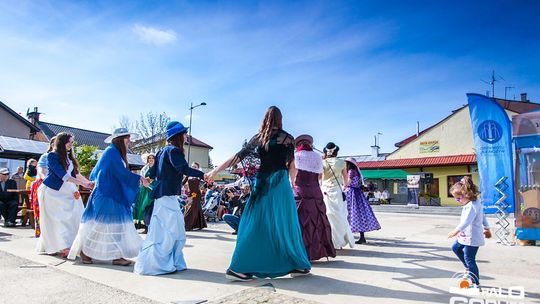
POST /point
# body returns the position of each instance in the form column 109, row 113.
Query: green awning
column 385, row 174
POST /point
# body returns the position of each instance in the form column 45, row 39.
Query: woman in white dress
column 333, row 178
column 61, row 205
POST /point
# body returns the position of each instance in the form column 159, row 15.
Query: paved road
column 24, row 281
column 407, row 261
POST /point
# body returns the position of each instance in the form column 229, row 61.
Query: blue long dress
column 269, row 242
column 107, row 231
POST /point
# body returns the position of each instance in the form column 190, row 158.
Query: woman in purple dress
column 361, row 217
column 316, row 231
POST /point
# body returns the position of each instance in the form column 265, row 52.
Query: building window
column 452, row 179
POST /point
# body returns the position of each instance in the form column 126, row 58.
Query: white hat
column 146, row 155
column 352, row 161
column 121, row 132
column 4, row 171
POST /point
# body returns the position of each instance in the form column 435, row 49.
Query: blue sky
column 339, row 70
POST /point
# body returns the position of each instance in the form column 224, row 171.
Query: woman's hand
column 89, row 185
column 487, row 233
column 453, row 233
column 145, row 182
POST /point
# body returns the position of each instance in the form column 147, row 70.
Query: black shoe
column 361, row 241
column 233, row 276
column 9, row 225
column 298, row 272
column 234, row 233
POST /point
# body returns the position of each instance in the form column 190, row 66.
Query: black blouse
column 276, row 156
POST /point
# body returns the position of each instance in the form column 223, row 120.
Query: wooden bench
column 24, row 212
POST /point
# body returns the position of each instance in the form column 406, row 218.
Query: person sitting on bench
column 8, row 200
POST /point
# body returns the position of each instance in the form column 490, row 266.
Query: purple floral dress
column 361, row 217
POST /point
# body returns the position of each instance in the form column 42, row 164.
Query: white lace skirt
column 107, row 231
column 106, row 241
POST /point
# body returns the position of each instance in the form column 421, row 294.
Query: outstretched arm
column 179, row 163
column 233, row 160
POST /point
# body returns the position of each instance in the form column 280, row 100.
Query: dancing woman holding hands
column 269, row 242
column 107, row 232
column 61, row 206
column 161, row 251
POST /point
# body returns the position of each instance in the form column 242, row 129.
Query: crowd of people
column 300, row 207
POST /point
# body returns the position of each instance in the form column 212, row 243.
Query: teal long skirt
column 144, row 199
column 269, row 242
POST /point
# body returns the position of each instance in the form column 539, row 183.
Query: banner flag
column 492, row 132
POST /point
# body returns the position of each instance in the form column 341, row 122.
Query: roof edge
column 19, row 117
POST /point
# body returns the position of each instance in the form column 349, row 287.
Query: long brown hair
column 271, row 122
column 467, row 188
column 60, row 148
column 51, row 144
column 118, row 142
column 177, row 140
column 351, row 166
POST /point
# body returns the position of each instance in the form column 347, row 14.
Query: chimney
column 375, row 151
column 33, row 116
column 524, row 97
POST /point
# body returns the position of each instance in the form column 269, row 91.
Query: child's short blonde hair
column 466, row 188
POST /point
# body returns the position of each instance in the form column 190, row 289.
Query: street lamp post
column 377, row 138
column 190, row 119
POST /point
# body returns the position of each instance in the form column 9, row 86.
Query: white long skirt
column 336, row 211
column 106, row 231
column 60, row 215
column 161, row 251
column 106, row 242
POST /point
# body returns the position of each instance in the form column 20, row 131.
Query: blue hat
column 174, row 127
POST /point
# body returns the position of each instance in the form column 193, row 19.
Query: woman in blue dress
column 161, row 251
column 269, row 242
column 107, row 232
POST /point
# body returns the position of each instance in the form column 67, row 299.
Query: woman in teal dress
column 144, row 199
column 269, row 242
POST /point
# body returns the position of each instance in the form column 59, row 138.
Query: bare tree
column 125, row 122
column 151, row 128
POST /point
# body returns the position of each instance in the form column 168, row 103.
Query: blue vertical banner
column 492, row 132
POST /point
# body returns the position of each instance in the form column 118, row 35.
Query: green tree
column 86, row 156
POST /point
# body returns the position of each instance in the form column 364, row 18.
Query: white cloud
column 153, row 35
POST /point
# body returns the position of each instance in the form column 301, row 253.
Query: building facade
column 446, row 150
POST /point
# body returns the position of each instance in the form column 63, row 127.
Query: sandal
column 121, row 262
column 86, row 259
column 235, row 276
